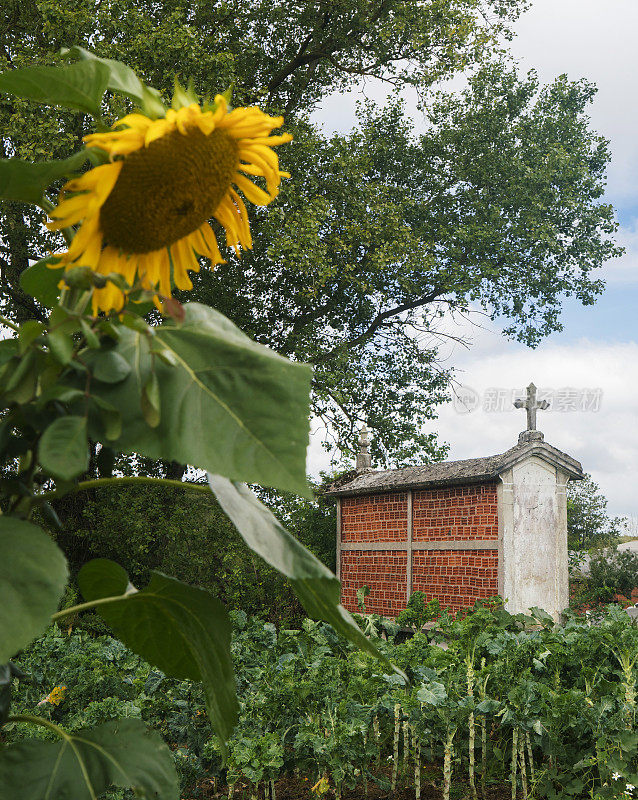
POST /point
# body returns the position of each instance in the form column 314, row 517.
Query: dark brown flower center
column 167, row 190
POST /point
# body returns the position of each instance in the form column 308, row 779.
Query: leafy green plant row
column 517, row 700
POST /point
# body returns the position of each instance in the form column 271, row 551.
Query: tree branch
column 376, row 323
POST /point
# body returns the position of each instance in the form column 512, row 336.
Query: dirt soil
column 291, row 787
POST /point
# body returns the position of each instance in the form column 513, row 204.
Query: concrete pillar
column 533, row 520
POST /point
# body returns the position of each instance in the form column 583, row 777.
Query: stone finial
column 363, row 456
column 531, row 405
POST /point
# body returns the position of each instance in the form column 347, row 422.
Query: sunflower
column 145, row 214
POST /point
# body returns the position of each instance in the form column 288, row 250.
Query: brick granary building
column 458, row 531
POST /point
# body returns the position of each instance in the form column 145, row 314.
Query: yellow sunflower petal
column 228, row 220
column 181, row 258
column 242, row 216
column 90, row 179
column 206, row 123
column 109, row 261
column 89, row 229
column 138, row 122
column 164, row 271
column 249, row 169
column 252, row 192
column 269, row 141
column 158, row 129
column 69, row 212
column 210, row 248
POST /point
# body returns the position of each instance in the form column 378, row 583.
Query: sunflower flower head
column 145, row 213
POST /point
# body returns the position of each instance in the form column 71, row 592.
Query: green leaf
column 20, row 383
column 62, row 394
column 7, row 674
column 83, row 765
column 111, row 418
column 316, row 587
column 8, row 349
column 61, row 328
column 90, row 336
column 25, row 181
column 41, row 280
column 78, row 86
column 63, row 451
column 123, row 80
column 182, row 630
column 230, row 406
column 433, row 693
column 33, row 575
column 107, row 366
column 151, row 404
column 29, row 332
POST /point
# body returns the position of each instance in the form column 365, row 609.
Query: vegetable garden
column 502, row 707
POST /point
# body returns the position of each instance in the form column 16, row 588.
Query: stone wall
column 452, row 553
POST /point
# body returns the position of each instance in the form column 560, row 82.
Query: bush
column 186, row 535
column 613, row 573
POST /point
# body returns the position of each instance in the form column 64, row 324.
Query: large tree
column 495, row 205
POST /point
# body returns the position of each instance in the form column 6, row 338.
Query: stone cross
column 531, row 405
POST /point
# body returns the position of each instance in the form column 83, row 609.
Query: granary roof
column 452, row 473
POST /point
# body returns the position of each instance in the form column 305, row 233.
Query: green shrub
column 613, row 573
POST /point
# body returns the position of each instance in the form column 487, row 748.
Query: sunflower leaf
column 63, row 450
column 78, row 86
column 83, row 765
column 229, row 406
column 41, row 280
column 123, row 80
column 313, row 583
column 33, row 575
column 25, row 181
column 182, row 630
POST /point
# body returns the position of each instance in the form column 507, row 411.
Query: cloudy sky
column 591, row 368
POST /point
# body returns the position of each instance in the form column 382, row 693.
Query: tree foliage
column 185, row 534
column 495, row 205
column 588, row 522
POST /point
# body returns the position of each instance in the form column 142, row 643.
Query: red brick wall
column 456, row 577
column 458, row 512
column 384, row 571
column 375, row 518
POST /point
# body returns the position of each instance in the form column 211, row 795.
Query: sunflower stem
column 8, row 323
column 71, row 610
column 31, row 719
column 99, row 483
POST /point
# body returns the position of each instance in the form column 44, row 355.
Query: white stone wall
column 533, row 523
